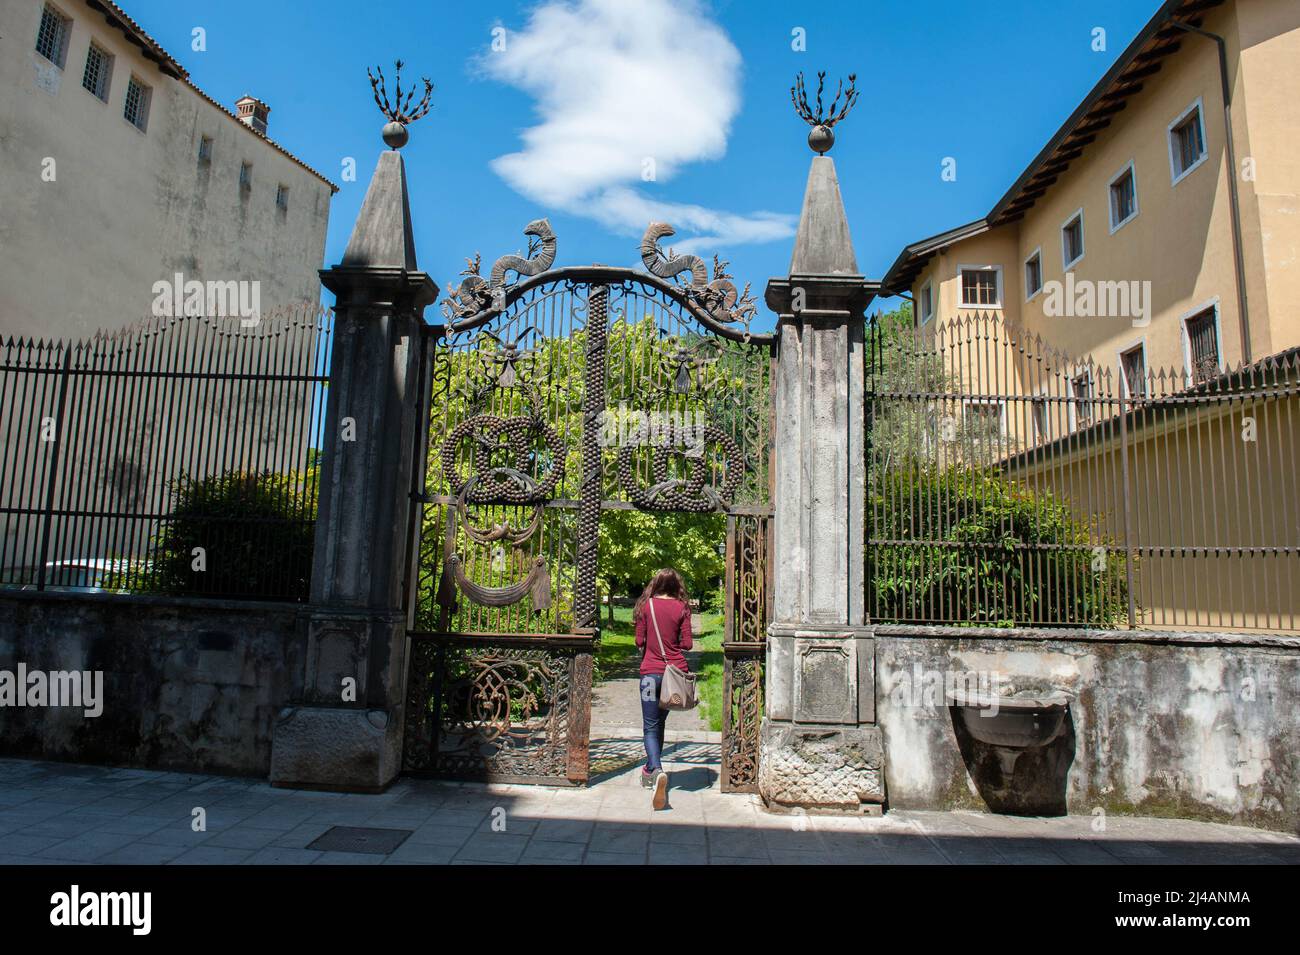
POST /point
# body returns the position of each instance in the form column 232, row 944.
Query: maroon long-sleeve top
column 674, row 619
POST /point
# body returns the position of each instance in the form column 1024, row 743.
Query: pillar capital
column 391, row 289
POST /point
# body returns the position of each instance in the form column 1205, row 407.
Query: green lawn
column 618, row 657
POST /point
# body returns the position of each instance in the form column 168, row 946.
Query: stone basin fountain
column 1013, row 723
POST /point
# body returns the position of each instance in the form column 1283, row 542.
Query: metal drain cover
column 378, row 842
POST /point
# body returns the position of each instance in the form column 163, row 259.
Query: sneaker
column 661, row 790
column 647, row 779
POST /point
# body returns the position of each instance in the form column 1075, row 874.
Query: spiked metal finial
column 400, row 115
column 821, row 139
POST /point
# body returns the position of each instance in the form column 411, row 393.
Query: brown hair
column 665, row 583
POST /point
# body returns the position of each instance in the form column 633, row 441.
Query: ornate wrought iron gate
column 570, row 392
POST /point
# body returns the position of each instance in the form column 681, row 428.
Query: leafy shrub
column 256, row 531
column 993, row 552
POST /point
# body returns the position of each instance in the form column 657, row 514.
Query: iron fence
column 173, row 456
column 1011, row 484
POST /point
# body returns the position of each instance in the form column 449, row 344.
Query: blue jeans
column 652, row 720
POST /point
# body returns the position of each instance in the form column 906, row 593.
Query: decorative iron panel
column 480, row 710
column 748, row 610
column 742, row 675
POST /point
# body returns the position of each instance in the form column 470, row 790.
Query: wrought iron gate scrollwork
column 527, row 378
column 484, row 712
column 749, row 577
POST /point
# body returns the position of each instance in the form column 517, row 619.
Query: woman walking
column 663, row 632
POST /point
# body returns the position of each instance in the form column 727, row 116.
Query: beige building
column 117, row 172
column 1142, row 184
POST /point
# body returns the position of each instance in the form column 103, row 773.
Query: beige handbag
column 677, row 691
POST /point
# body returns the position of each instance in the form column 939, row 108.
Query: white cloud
column 617, row 83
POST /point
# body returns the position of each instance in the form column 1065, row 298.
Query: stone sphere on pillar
column 395, row 135
column 821, row 139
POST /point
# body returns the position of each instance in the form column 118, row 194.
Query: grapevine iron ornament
column 718, row 298
column 682, row 357
column 821, row 139
column 694, row 493
column 510, row 483
column 399, row 114
column 474, row 295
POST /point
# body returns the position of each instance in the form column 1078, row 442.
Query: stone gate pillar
column 821, row 749
column 346, row 730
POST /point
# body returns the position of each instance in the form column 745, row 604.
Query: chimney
column 254, row 112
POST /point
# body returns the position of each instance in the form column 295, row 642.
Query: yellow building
column 1143, row 235
column 1120, row 332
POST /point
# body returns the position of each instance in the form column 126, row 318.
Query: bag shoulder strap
column 650, row 602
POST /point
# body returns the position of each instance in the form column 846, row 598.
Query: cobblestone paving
column 59, row 812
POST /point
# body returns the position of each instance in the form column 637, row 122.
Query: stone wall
column 1199, row 725
column 187, row 684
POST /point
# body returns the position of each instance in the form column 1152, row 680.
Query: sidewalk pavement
column 67, row 813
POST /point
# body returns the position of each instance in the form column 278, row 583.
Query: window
column 983, row 424
column 1203, row 345
column 1072, row 240
column 205, row 150
column 245, row 176
column 282, row 196
column 99, row 67
column 1123, row 197
column 1133, row 364
column 1186, row 142
column 1081, row 391
column 1033, row 274
column 137, row 104
column 926, row 302
column 1038, row 408
column 981, row 286
column 52, row 36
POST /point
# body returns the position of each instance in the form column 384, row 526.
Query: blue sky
column 559, row 123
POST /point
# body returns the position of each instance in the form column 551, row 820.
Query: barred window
column 282, row 196
column 1038, row 407
column 1081, row 390
column 52, row 37
column 136, row 110
column 1134, row 365
column 1203, row 346
column 205, row 150
column 99, row 67
column 246, row 176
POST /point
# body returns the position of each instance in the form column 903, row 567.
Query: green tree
column 634, row 544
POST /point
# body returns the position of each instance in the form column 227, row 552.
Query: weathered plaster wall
column 1197, row 725
column 188, row 685
column 129, row 208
